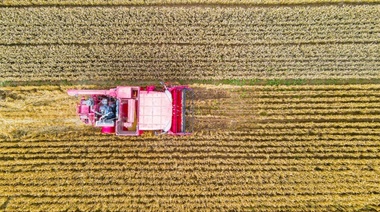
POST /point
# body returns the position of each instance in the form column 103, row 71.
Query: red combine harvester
column 131, row 110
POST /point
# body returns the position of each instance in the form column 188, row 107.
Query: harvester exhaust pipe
column 163, row 84
column 90, row 92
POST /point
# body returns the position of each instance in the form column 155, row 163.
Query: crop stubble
column 255, row 147
column 181, row 43
column 172, row 2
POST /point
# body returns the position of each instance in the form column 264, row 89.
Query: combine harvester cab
column 131, row 110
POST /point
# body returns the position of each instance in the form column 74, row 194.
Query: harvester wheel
column 108, row 130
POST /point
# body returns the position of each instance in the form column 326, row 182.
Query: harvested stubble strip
column 189, row 43
column 193, row 62
column 194, row 25
column 171, row 2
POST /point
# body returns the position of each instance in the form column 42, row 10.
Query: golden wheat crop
column 249, row 152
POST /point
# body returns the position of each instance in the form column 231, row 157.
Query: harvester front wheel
column 108, row 130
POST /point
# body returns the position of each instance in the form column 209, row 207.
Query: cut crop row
column 194, row 25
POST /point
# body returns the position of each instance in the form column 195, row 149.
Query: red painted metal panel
column 174, row 116
column 177, row 110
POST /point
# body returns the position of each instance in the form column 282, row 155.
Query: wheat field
column 287, row 105
column 254, row 148
column 182, row 43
